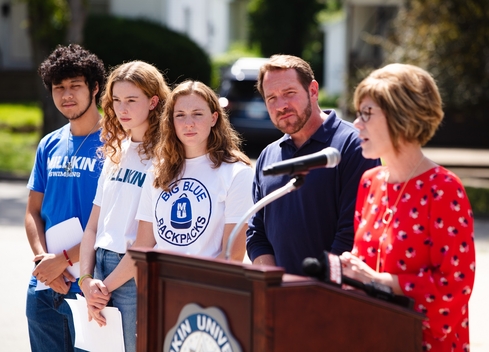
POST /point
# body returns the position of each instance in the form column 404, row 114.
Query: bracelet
column 83, row 277
column 67, row 258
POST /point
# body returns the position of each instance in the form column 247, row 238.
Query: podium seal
column 200, row 329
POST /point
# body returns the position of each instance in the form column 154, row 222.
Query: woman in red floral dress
column 413, row 221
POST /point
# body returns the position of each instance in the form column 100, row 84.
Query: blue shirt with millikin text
column 66, row 194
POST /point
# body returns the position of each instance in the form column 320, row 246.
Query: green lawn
column 20, row 126
column 20, row 115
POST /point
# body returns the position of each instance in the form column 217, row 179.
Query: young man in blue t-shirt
column 62, row 186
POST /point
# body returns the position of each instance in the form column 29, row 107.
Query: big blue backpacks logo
column 181, row 213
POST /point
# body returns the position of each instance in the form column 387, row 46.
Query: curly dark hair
column 73, row 61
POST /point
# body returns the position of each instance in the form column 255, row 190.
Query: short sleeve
column 239, row 199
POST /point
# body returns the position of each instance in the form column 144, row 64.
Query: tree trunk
column 78, row 10
column 41, row 48
column 44, row 37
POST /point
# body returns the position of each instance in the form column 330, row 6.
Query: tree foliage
column 449, row 38
column 53, row 22
column 283, row 27
column 173, row 53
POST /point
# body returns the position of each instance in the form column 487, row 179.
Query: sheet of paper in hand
column 89, row 335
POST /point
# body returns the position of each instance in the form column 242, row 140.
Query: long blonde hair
column 147, row 78
column 223, row 143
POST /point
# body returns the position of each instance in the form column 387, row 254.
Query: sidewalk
column 471, row 165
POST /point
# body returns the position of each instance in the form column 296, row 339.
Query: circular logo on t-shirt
column 183, row 213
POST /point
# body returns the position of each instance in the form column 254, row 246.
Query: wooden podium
column 266, row 310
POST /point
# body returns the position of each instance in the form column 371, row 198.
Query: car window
column 242, row 90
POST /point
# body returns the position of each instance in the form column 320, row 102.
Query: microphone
column 328, row 157
column 328, row 269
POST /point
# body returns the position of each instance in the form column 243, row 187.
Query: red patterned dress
column 429, row 245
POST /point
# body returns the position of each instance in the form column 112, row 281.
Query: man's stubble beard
column 77, row 116
column 291, row 128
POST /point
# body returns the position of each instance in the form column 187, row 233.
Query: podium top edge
column 271, row 274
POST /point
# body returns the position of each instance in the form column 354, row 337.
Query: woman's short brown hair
column 409, row 98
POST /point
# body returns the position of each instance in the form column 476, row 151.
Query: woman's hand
column 97, row 296
column 96, row 314
column 357, row 269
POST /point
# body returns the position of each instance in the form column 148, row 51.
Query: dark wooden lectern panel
column 339, row 322
column 266, row 310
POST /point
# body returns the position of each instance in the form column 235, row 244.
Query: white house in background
column 213, row 24
column 15, row 51
column 344, row 39
column 335, row 63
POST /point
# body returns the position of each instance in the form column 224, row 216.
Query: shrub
column 117, row 40
column 479, row 200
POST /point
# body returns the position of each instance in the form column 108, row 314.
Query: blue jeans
column 124, row 298
column 50, row 321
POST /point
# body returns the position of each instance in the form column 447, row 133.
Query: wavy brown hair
column 223, row 143
column 147, row 78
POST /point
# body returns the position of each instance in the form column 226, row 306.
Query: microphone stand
column 292, row 185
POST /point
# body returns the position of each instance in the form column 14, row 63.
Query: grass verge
column 20, row 126
column 17, row 152
column 479, row 200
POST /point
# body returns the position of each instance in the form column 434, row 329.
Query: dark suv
column 247, row 111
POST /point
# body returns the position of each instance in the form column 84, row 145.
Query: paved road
column 15, row 261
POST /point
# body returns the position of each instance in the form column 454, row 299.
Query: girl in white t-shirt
column 201, row 183
column 133, row 102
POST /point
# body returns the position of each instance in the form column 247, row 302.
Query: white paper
column 61, row 237
column 92, row 337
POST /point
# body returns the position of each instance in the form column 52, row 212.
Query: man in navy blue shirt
column 317, row 216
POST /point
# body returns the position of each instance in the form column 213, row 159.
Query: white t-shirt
column 190, row 218
column 118, row 192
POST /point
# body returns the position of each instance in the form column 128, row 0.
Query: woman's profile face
column 374, row 133
column 193, row 121
column 132, row 107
